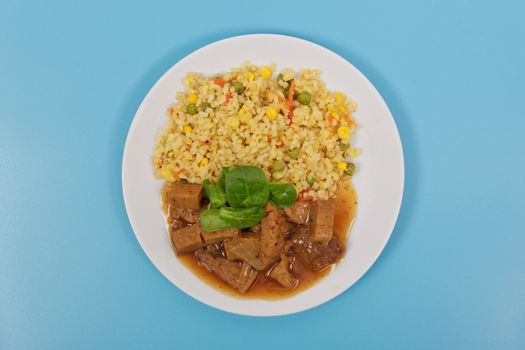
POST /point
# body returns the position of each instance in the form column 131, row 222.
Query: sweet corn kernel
column 192, row 98
column 245, row 118
column 271, row 113
column 336, row 116
column 339, row 98
column 265, row 72
column 187, row 128
column 233, row 122
column 204, row 161
column 250, row 76
column 343, row 108
column 166, row 173
column 353, row 153
column 330, row 107
column 343, row 132
column 342, row 166
column 241, row 111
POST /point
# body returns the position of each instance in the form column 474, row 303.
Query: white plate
column 379, row 178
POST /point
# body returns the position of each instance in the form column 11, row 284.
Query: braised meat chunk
column 273, row 230
column 246, row 278
column 240, row 277
column 186, row 196
column 246, row 249
column 322, row 221
column 189, row 215
column 298, row 212
column 269, row 207
column 282, row 274
column 228, row 250
column 217, row 250
column 187, row 239
column 219, row 236
column 315, row 255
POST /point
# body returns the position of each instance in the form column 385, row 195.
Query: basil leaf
column 222, row 176
column 283, row 195
column 246, row 187
column 241, row 217
column 211, row 221
column 215, row 194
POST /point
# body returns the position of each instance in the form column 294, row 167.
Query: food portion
column 258, row 196
column 288, row 124
column 267, row 239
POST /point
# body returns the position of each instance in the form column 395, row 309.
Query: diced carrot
column 175, row 174
column 350, row 120
column 290, row 113
column 290, row 101
column 290, row 92
column 302, row 198
column 228, row 97
column 219, row 81
column 330, row 119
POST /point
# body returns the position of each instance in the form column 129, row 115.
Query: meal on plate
column 257, row 166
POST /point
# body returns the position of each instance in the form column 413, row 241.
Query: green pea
column 304, row 98
column 191, row 109
column 278, row 166
column 350, row 169
column 310, row 181
column 205, row 106
column 344, row 146
column 279, row 77
column 183, row 181
column 239, row 88
column 293, row 153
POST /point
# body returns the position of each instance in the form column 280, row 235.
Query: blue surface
column 72, row 275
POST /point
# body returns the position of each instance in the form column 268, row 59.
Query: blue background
column 72, row 275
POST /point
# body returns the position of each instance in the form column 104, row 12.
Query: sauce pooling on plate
column 242, row 263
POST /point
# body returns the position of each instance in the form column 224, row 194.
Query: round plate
column 378, row 180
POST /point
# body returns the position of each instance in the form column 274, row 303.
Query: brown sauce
column 265, row 287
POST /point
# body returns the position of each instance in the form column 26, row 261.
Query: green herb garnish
column 215, row 194
column 212, row 221
column 246, row 187
column 283, row 195
column 238, row 198
column 241, row 217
